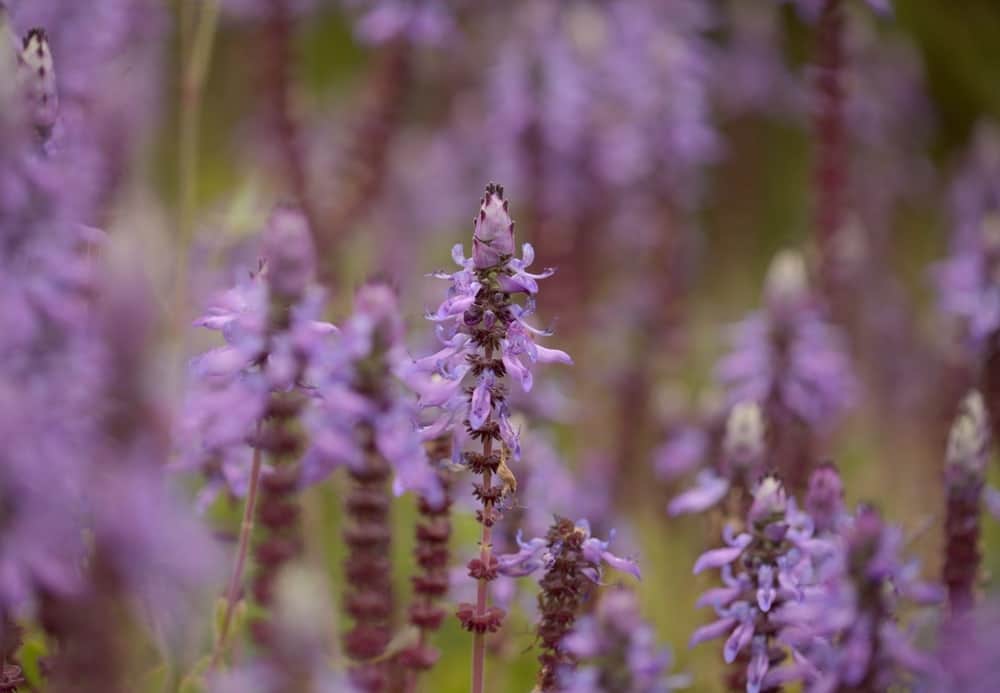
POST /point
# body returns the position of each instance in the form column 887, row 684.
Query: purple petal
column 737, row 641
column 625, row 565
column 711, row 631
column 709, row 491
column 482, row 402
column 716, row 558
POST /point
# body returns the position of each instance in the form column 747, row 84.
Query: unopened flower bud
column 744, row 441
column 493, row 238
column 787, row 281
column 769, row 500
column 38, row 78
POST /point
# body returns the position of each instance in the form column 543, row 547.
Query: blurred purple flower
column 618, row 651
column 846, row 629
column 359, row 383
column 792, row 361
column 231, row 385
column 418, row 21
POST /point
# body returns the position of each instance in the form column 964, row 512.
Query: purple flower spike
column 273, row 340
column 791, row 361
column 765, row 569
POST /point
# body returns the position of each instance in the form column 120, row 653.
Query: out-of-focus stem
column 831, row 173
column 276, row 77
column 193, row 72
column 359, row 178
column 235, row 580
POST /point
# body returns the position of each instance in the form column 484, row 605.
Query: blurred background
column 658, row 153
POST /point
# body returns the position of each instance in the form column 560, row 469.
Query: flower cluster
column 847, row 629
column 764, row 568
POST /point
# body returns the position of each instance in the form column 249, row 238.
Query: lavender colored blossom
column 764, row 568
column 824, row 500
column 966, row 280
column 572, row 560
column 618, row 651
column 565, row 75
column 47, row 378
column 108, row 57
column 847, row 629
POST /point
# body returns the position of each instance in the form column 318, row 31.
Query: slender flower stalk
column 832, row 152
column 965, row 470
column 242, row 548
column 571, row 561
column 485, row 337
